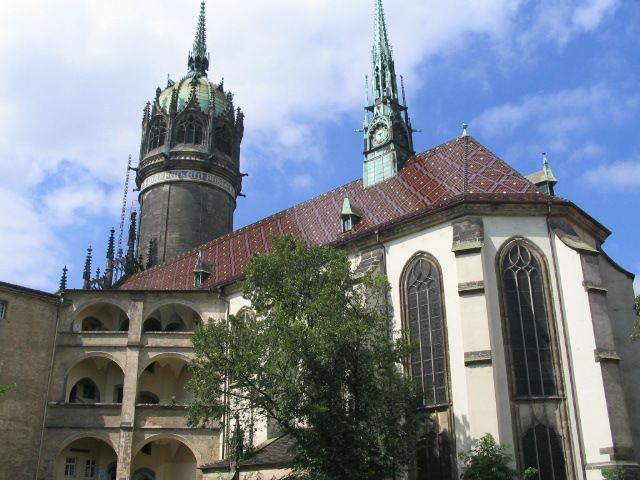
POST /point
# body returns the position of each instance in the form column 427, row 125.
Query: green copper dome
column 204, row 91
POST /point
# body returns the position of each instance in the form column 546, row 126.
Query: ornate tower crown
column 199, row 58
column 189, row 170
column 388, row 135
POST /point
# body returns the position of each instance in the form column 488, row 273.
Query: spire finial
column 546, row 169
column 198, row 57
column 63, row 280
column 381, row 38
column 465, row 130
column 86, row 274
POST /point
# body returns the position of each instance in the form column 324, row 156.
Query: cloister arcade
column 86, row 458
column 101, row 317
column 164, row 458
column 172, row 318
column 94, row 380
column 163, row 382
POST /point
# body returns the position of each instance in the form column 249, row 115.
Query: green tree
column 636, row 335
column 7, row 388
column 620, row 474
column 318, row 358
column 489, row 461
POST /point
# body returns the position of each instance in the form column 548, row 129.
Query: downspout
column 225, row 398
column 567, row 346
column 49, row 381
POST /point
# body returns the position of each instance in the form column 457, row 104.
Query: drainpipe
column 567, row 346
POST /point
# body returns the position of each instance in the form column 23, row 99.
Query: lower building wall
column 26, row 340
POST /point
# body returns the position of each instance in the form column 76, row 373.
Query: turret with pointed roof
column 388, row 134
column 189, row 170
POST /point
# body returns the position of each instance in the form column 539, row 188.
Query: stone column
column 130, row 389
column 468, row 240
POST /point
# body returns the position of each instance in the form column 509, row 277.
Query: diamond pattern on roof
column 429, row 180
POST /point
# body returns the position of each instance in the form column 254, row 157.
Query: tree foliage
column 620, row 474
column 636, row 335
column 7, row 388
column 318, row 358
column 489, row 461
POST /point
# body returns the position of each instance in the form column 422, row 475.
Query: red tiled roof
column 461, row 168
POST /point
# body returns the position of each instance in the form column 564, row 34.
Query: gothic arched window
column 426, row 332
column 542, row 449
column 190, row 130
column 527, row 323
column 157, row 134
column 428, row 366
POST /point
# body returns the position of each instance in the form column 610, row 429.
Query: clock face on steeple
column 380, row 135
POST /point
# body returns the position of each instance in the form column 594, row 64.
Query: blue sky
column 559, row 76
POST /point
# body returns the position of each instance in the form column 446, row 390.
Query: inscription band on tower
column 188, row 176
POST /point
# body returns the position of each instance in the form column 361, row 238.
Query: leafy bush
column 489, row 461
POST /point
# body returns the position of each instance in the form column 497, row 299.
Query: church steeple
column 388, row 140
column 198, row 57
column 384, row 75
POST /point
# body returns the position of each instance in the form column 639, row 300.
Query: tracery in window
column 157, row 134
column 428, row 363
column 542, row 450
column 190, row 130
column 527, row 323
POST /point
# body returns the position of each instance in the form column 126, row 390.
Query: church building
column 519, row 318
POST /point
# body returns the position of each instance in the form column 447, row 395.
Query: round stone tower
column 188, row 174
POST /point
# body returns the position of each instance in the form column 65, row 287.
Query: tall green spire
column 384, row 74
column 198, row 57
column 388, row 134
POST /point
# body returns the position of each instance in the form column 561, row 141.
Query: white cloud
column 587, row 17
column 559, row 116
column 76, row 75
column 301, row 182
column 614, row 176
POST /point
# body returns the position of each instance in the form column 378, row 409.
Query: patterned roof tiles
column 459, row 169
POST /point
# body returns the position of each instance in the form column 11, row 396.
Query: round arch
column 173, row 316
column 85, row 356
column 161, row 356
column 87, row 455
column 111, row 315
column 106, row 383
column 103, row 436
column 170, row 453
column 168, row 436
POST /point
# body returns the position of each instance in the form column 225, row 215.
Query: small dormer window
column 347, row 223
column 350, row 216
column 202, row 270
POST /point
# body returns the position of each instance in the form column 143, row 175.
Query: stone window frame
column 423, row 256
column 560, row 427
column 3, row 309
column 438, row 418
